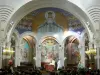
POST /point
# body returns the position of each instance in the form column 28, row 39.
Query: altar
column 47, row 66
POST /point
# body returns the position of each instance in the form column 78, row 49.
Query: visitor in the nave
column 31, row 71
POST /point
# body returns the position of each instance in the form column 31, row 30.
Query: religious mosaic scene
column 43, row 37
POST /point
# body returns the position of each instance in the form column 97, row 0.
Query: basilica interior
column 40, row 34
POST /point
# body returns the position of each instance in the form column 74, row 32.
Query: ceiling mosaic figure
column 50, row 24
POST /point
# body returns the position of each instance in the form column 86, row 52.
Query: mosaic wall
column 49, row 50
column 72, row 50
column 25, row 52
column 33, row 20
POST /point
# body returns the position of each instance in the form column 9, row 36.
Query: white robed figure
column 59, row 64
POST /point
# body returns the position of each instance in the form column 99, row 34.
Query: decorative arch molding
column 28, row 33
column 94, row 12
column 46, row 37
column 33, row 5
column 63, row 42
column 17, row 34
column 43, row 38
column 5, row 12
column 17, row 38
column 27, row 42
column 83, row 34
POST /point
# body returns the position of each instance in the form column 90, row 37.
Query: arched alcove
column 28, row 50
column 49, row 21
column 52, row 22
column 49, row 53
column 71, row 52
column 9, row 50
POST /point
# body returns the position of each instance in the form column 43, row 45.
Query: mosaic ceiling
column 33, row 20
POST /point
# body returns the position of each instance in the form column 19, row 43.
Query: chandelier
column 7, row 51
column 91, row 51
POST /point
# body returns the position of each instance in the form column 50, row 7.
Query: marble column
column 1, row 56
column 38, row 56
column 61, row 55
column 98, row 57
column 1, row 52
column 17, row 56
column 82, row 51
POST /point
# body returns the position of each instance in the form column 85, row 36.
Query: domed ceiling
column 64, row 19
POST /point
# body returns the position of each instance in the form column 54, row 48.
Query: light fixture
column 8, row 50
column 91, row 51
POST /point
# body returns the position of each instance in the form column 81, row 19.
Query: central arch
column 49, row 52
column 33, row 5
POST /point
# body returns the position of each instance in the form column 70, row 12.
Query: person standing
column 59, row 64
column 10, row 64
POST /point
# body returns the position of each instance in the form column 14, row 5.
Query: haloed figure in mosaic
column 50, row 24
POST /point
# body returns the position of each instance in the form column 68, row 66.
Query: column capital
column 96, row 37
column 97, row 42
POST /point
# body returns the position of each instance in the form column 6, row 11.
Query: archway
column 49, row 22
column 28, row 51
column 81, row 14
column 65, row 9
column 49, row 53
column 72, row 53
